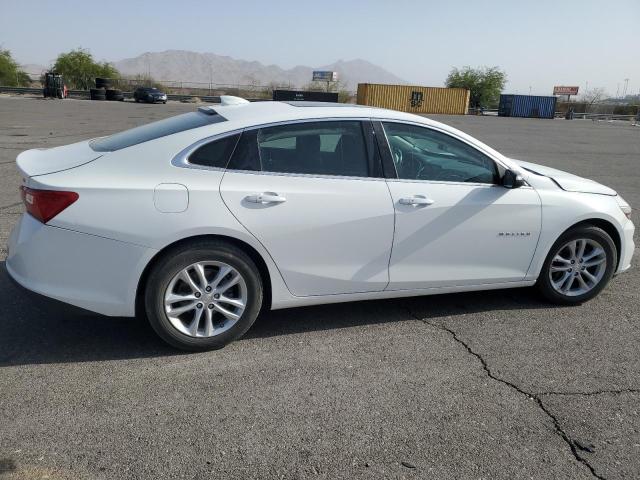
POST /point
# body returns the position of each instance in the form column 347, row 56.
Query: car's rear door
column 313, row 194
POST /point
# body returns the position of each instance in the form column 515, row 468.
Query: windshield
column 155, row 130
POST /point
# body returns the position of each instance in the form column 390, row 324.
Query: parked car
column 149, row 95
column 201, row 220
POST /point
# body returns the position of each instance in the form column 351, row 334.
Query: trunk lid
column 567, row 181
column 41, row 161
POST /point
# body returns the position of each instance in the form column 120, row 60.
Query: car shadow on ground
column 32, row 334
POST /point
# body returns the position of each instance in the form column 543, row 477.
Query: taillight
column 46, row 204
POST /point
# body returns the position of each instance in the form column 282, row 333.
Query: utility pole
column 624, row 90
column 210, row 78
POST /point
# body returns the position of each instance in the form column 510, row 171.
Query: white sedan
column 201, row 220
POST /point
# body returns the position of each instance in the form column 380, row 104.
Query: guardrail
column 21, row 90
column 84, row 94
column 597, row 116
column 576, row 115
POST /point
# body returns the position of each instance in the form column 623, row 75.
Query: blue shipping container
column 531, row 106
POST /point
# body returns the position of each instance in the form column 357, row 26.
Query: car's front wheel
column 579, row 266
column 204, row 296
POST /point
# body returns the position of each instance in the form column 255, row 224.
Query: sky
column 538, row 43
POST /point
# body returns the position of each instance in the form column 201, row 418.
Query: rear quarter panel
column 117, row 201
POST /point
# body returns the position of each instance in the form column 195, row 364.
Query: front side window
column 323, row 148
column 420, row 153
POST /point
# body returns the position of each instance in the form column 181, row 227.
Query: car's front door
column 455, row 224
column 313, row 194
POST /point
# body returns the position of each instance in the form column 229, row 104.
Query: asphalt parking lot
column 480, row 385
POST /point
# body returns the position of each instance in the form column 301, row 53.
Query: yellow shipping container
column 413, row 99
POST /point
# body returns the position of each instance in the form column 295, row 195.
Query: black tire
column 589, row 232
column 172, row 263
column 112, row 94
column 103, row 83
column 97, row 94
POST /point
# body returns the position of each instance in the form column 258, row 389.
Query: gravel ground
column 478, row 385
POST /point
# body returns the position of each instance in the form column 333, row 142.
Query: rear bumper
column 90, row 272
column 48, row 304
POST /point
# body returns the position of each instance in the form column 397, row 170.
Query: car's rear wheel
column 204, row 296
column 579, row 266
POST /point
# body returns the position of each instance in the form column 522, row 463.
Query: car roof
column 257, row 113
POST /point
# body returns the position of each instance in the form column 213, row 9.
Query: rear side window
column 152, row 131
column 245, row 156
column 325, row 148
column 216, row 153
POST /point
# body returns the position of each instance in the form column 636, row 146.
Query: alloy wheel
column 578, row 267
column 205, row 299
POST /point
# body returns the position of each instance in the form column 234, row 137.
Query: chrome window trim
column 181, row 160
column 305, row 175
column 445, row 182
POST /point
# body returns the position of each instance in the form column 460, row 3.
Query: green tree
column 11, row 75
column 484, row 83
column 80, row 69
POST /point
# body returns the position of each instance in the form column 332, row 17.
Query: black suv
column 149, row 95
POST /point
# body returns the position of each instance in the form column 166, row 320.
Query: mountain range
column 193, row 67
column 187, row 66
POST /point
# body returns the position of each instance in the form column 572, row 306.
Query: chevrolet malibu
column 201, row 220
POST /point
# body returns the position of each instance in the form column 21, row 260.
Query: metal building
column 414, row 99
column 531, row 106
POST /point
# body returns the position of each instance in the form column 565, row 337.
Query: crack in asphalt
column 596, row 392
column 4, row 207
column 533, row 396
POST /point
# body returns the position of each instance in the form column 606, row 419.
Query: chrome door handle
column 416, row 200
column 266, row 197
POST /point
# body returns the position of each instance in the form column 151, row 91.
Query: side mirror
column 511, row 179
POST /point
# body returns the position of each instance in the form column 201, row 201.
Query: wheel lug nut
column 199, row 305
column 208, row 289
column 210, row 305
column 198, row 294
column 572, row 262
column 216, row 296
